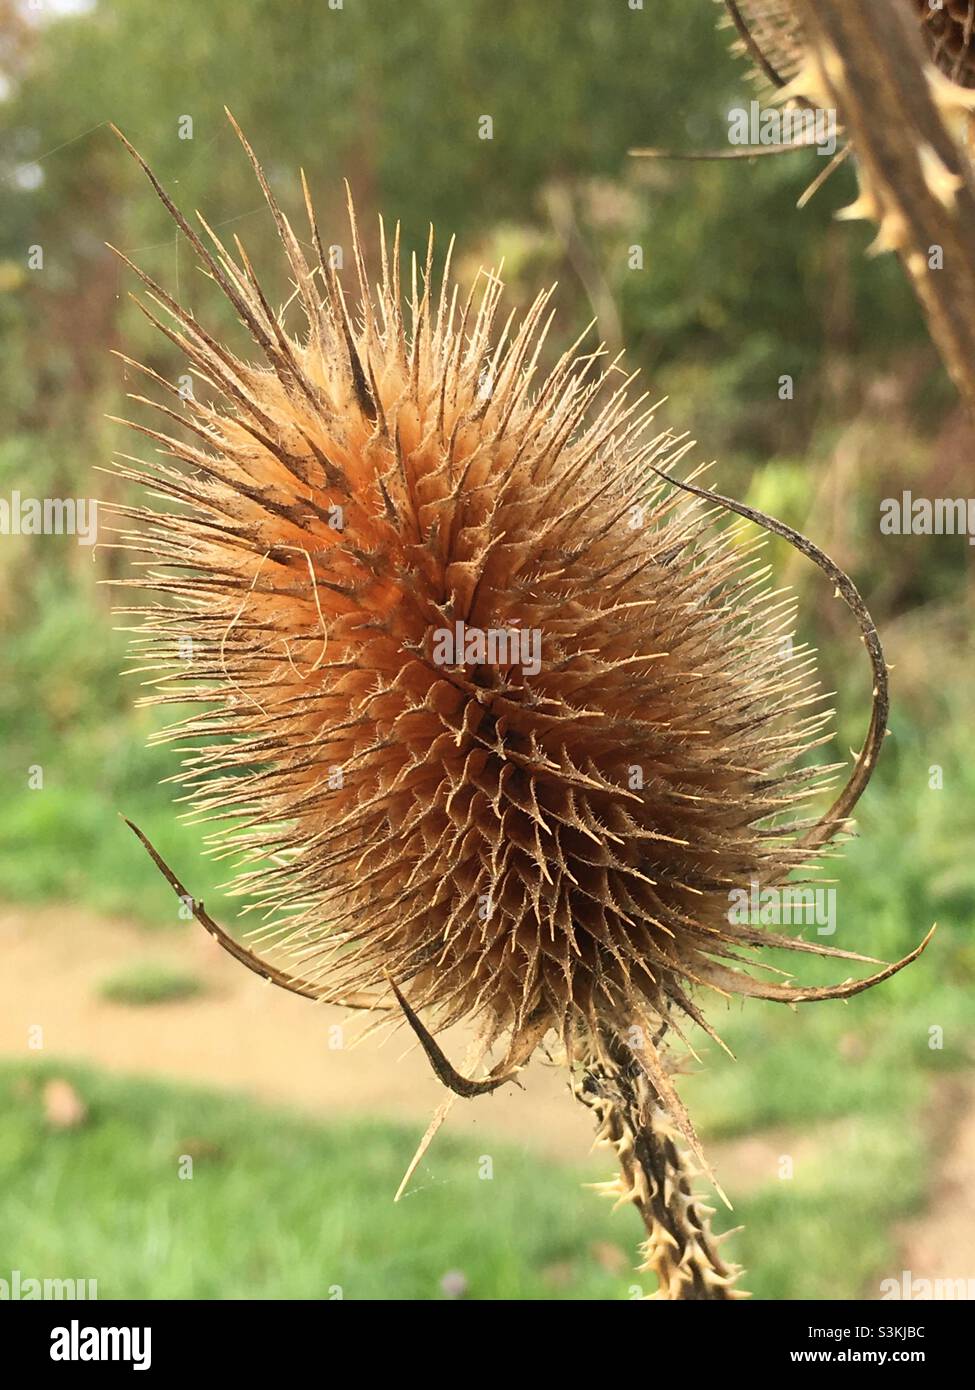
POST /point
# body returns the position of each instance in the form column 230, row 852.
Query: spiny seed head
column 949, row 29
column 488, row 708
column 775, row 33
column 769, row 33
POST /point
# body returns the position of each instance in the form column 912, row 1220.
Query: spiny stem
column 915, row 178
column 656, row 1175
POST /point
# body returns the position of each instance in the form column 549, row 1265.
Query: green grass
column 150, row 983
column 281, row 1207
column 71, row 715
column 67, row 842
column 826, row 1232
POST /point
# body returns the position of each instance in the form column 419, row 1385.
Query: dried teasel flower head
column 769, row 32
column 949, row 28
column 496, row 716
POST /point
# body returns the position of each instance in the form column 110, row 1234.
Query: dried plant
column 770, row 32
column 541, row 842
column 949, row 29
column 901, row 75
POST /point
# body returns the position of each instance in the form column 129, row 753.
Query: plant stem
column 912, row 170
column 656, row 1175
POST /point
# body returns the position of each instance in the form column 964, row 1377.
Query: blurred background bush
column 733, row 288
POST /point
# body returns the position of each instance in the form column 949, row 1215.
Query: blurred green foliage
column 390, row 97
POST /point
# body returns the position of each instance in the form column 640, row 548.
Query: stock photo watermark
column 768, row 125
column 24, row 1288
column 910, row 1289
column 461, row 645
column 908, row 515
column 77, row 1343
column 791, row 905
column 49, row 516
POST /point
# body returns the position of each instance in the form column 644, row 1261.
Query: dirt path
column 246, row 1036
column 249, row 1037
column 940, row 1244
column 241, row 1033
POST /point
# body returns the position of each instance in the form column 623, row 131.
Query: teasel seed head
column 537, row 835
column 769, row 33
